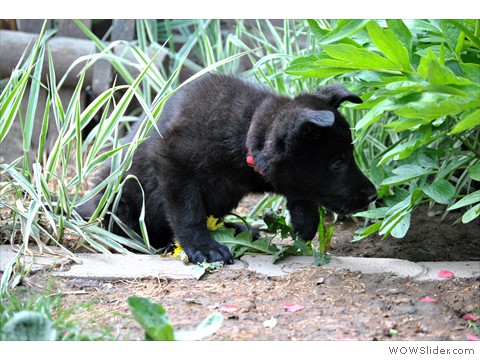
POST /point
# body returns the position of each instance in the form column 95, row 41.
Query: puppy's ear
column 321, row 118
column 312, row 121
column 334, row 95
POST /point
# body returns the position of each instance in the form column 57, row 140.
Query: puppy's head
column 309, row 153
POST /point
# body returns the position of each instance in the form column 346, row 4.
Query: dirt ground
column 337, row 305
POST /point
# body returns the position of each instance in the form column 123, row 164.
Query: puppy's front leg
column 304, row 217
column 187, row 218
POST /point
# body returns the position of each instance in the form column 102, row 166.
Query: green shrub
column 417, row 132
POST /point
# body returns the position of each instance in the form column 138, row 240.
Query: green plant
column 417, row 131
column 154, row 320
column 27, row 315
column 41, row 196
column 29, row 326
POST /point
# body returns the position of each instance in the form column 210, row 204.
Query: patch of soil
column 338, row 305
column 429, row 238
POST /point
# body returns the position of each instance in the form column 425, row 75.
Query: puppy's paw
column 306, row 233
column 210, row 252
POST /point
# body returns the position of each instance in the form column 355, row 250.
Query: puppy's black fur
column 301, row 148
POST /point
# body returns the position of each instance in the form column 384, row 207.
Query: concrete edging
column 133, row 266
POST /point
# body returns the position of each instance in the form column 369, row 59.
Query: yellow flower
column 178, row 249
column 178, row 253
column 213, row 223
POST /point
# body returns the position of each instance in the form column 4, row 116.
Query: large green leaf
column 152, row 317
column 466, row 200
column 441, row 191
column 472, row 71
column 375, row 113
column 474, row 171
column 206, row 328
column 431, row 106
column 451, row 33
column 469, row 121
column 406, row 173
column 442, row 75
column 318, row 66
column 29, row 326
column 402, row 32
column 402, row 226
column 401, row 151
column 388, row 43
column 344, row 29
column 471, row 214
column 360, row 58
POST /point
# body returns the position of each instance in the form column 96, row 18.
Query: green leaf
column 377, row 213
column 360, row 58
column 402, row 226
column 469, row 121
column 451, row 33
column 29, row 326
column 402, row 32
column 369, row 230
column 474, row 171
column 442, row 75
column 313, row 66
column 201, row 269
column 404, row 124
column 374, row 114
column 152, row 317
column 322, row 258
column 207, row 328
column 397, row 218
column 394, row 215
column 277, row 224
column 299, row 247
column 344, row 29
column 243, row 242
column 471, row 214
column 472, row 71
column 440, row 191
column 471, row 36
column 388, row 43
column 405, row 173
column 316, row 30
column 466, row 200
column 430, row 106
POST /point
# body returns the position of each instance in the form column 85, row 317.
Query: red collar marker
column 251, row 162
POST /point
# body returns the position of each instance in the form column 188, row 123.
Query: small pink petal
column 445, row 274
column 348, row 338
column 228, row 308
column 428, row 299
column 293, row 307
column 471, row 317
column 472, row 338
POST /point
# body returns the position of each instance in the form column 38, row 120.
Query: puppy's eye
column 337, row 165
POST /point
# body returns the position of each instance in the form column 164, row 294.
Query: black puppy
column 222, row 138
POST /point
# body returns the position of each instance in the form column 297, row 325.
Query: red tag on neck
column 251, row 162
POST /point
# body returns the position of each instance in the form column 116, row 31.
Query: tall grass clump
column 40, row 197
